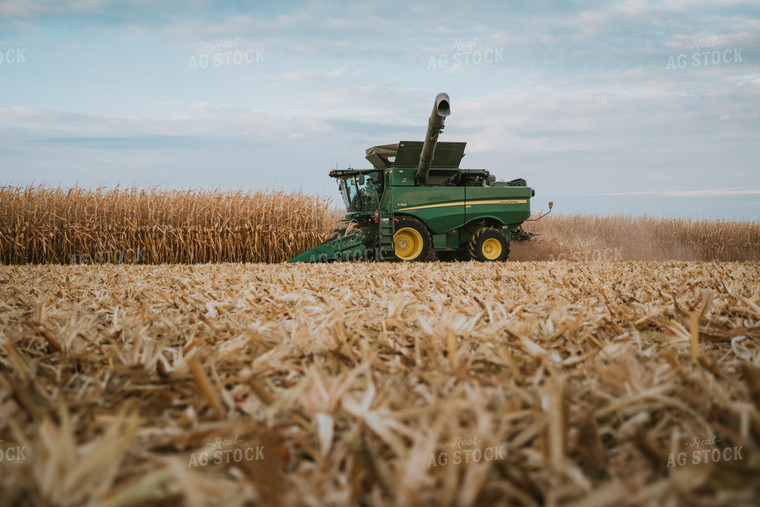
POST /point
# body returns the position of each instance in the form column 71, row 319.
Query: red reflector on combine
column 377, row 216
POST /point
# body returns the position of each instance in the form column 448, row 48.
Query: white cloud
column 582, row 98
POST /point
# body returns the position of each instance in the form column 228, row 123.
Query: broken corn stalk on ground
column 359, row 383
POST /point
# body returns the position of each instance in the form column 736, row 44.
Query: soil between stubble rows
column 348, row 382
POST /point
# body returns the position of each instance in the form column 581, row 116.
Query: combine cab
column 416, row 204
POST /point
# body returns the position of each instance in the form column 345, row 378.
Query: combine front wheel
column 412, row 241
column 488, row 244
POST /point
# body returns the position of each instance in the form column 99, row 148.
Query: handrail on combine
column 542, row 216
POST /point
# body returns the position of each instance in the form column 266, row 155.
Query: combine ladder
column 387, row 228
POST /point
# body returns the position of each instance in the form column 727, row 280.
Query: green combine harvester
column 416, row 204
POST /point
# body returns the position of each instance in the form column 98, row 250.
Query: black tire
column 488, row 245
column 421, row 248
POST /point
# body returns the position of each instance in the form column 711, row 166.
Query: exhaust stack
column 441, row 109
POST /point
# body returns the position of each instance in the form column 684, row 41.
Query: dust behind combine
column 581, row 237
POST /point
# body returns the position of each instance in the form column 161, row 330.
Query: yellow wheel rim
column 407, row 243
column 491, row 249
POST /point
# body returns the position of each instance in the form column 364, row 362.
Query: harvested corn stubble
column 351, row 383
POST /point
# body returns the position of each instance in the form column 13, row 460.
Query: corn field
column 79, row 226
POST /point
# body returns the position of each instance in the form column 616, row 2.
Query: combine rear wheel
column 488, row 244
column 412, row 241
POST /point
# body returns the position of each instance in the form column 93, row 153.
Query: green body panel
column 440, row 208
column 445, row 208
column 402, row 177
column 447, row 241
column 508, row 205
column 446, row 154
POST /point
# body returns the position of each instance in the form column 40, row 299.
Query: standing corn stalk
column 55, row 225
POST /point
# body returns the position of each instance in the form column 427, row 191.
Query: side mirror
column 361, row 180
column 551, row 204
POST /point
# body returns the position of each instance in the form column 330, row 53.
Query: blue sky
column 604, row 107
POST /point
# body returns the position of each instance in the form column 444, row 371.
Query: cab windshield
column 360, row 190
